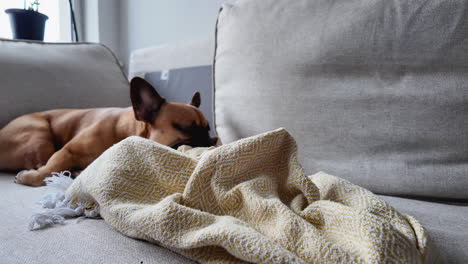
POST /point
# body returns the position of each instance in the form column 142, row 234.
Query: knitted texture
column 248, row 201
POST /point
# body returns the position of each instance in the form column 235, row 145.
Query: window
column 57, row 26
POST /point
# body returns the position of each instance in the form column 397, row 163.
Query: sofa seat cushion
column 89, row 241
column 93, row 241
column 447, row 225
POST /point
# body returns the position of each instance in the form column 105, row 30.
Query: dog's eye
column 192, row 130
column 177, row 126
column 185, row 130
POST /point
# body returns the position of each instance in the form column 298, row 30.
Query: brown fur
column 67, row 139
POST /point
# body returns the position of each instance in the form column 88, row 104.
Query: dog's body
column 70, row 139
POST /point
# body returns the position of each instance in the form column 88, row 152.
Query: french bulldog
column 70, row 139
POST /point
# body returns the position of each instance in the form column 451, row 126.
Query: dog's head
column 171, row 124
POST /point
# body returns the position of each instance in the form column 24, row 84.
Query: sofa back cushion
column 37, row 76
column 373, row 91
column 184, row 54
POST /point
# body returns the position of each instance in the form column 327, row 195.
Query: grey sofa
column 373, row 91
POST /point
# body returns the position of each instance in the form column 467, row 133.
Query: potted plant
column 27, row 23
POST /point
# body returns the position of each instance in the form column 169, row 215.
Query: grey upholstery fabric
column 446, row 225
column 39, row 76
column 89, row 241
column 373, row 91
column 165, row 57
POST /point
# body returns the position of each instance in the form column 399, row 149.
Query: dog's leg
column 26, row 143
column 37, row 153
column 60, row 161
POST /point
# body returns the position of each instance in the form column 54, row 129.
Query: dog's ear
column 196, row 100
column 145, row 100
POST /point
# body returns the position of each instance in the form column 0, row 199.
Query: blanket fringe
column 59, row 205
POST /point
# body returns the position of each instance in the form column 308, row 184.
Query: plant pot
column 27, row 24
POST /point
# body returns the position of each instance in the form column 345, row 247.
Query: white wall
column 126, row 25
column 90, row 25
column 98, row 21
column 109, row 23
column 145, row 23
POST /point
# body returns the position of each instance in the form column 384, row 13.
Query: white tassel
column 59, row 204
column 60, row 181
column 54, row 216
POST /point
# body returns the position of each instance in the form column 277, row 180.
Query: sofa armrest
column 37, row 76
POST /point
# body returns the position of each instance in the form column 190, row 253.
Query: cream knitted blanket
column 248, row 201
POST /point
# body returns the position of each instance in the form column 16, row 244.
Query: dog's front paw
column 19, row 176
column 29, row 177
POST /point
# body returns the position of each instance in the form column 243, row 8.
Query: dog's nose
column 214, row 140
